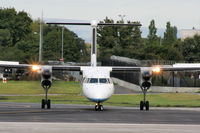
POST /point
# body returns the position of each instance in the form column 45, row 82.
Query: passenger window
column 93, row 80
column 103, row 80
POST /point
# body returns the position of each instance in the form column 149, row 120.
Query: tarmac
column 28, row 117
column 65, row 118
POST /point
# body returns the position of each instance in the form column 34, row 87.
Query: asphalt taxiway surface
column 31, row 112
column 62, row 118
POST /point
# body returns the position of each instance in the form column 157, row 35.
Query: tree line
column 19, row 41
column 127, row 41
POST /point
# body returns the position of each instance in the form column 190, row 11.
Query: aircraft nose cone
column 98, row 93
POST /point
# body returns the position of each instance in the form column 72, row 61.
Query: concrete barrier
column 156, row 88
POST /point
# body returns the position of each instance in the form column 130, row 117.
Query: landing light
column 156, row 69
column 35, row 68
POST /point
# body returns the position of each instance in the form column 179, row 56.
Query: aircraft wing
column 54, row 67
column 114, row 68
column 16, row 66
column 119, row 68
column 157, row 68
column 66, row 67
column 179, row 68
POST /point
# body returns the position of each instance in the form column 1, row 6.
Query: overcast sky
column 182, row 13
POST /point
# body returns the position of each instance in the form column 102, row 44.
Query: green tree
column 191, row 49
column 118, row 40
column 19, row 39
column 11, row 54
column 29, row 47
column 152, row 37
column 107, row 35
column 73, row 45
column 170, row 35
column 5, row 37
column 18, row 24
column 136, row 36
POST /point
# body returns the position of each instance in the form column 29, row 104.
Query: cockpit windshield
column 94, row 80
column 97, row 80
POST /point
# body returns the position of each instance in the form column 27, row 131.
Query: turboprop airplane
column 97, row 85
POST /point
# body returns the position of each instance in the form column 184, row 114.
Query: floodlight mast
column 62, row 58
column 41, row 39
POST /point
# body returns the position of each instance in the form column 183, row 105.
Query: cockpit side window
column 94, row 80
column 85, row 80
column 108, row 80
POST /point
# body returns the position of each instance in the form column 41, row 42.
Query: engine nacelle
column 146, row 75
column 145, row 78
column 46, row 77
column 146, row 84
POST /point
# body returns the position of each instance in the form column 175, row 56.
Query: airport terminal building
column 187, row 33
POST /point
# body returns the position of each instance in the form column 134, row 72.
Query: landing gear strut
column 46, row 101
column 98, row 107
column 144, row 103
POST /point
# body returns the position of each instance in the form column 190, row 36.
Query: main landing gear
column 98, row 107
column 46, row 101
column 144, row 103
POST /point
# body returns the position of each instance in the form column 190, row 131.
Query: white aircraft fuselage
column 96, row 84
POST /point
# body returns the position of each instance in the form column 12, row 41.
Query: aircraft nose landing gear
column 99, row 107
column 144, row 103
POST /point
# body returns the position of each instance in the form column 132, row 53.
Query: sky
column 181, row 13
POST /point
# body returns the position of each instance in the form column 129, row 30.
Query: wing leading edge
column 54, row 67
column 157, row 68
column 114, row 68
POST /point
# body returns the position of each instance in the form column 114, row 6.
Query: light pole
column 41, row 39
column 62, row 59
